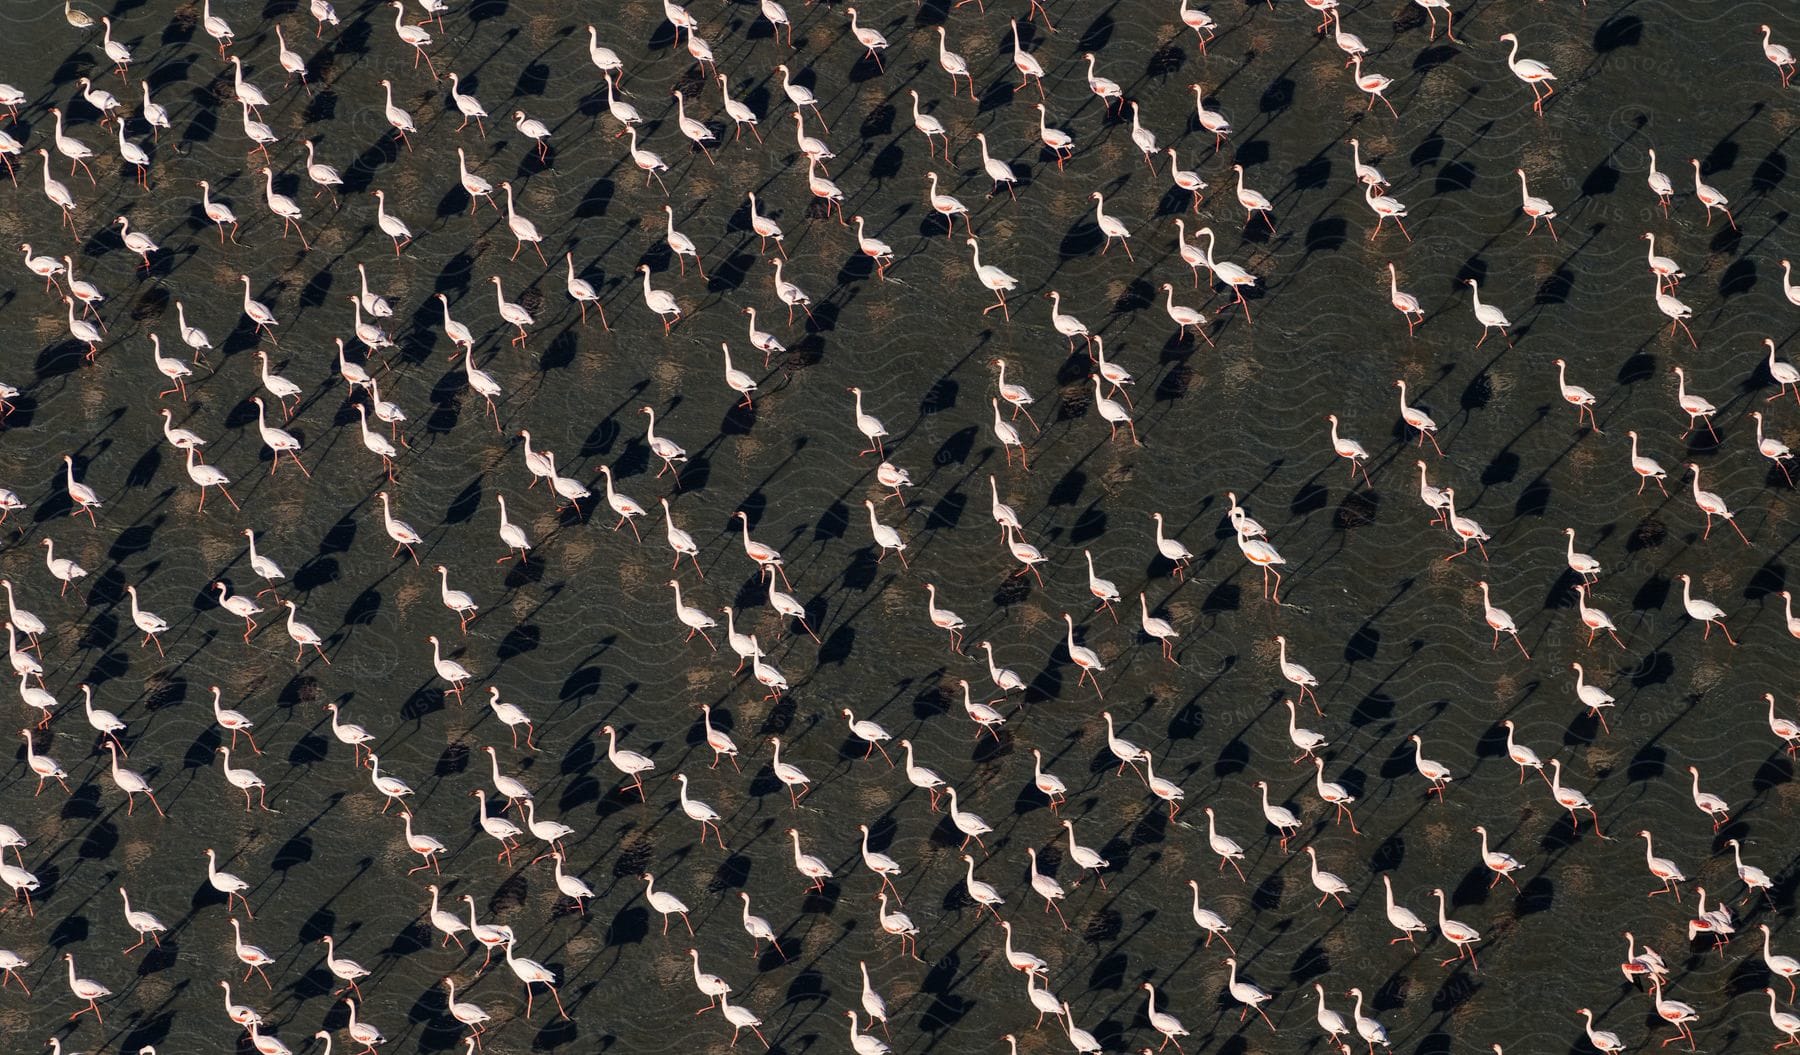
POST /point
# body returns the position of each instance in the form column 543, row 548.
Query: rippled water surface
column 585, row 634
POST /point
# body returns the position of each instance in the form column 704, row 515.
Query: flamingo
column 68, row 146
column 1490, row 317
column 759, row 930
column 1184, row 318
column 1436, row 773
column 83, row 988
column 1711, row 505
column 1781, row 1020
column 1386, row 208
column 1333, row 794
column 530, row 972
column 999, row 282
column 1251, row 996
column 1330, row 885
column 1373, row 85
column 1285, row 822
column 1349, row 450
column 1168, row 1025
column 740, row 114
column 1501, row 864
column 1059, row 142
column 1775, row 53
column 1160, row 629
column 1783, row 373
column 953, row 64
column 43, row 767
column 1647, row 468
column 1463, row 527
column 1086, row 659
column 1418, row 420
column 324, row 177
column 1593, row 618
column 1026, row 63
column 1107, row 90
column 1785, row 730
column 1580, row 398
column 1708, row 196
column 1227, row 848
column 1499, row 620
column 1536, row 208
column 1675, row 1013
column 1209, row 921
column 1266, row 557
column 303, row 635
column 802, row 97
column 1661, row 266
column 945, row 619
column 1458, row 933
column 1433, row 497
column 538, row 132
column 1594, row 698
column 1532, row 72
column 1785, row 967
column 695, row 131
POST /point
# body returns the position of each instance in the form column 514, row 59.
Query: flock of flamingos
column 95, row 171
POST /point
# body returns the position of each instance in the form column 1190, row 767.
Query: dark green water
column 585, row 635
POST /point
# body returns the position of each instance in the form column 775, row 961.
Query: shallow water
column 583, row 635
